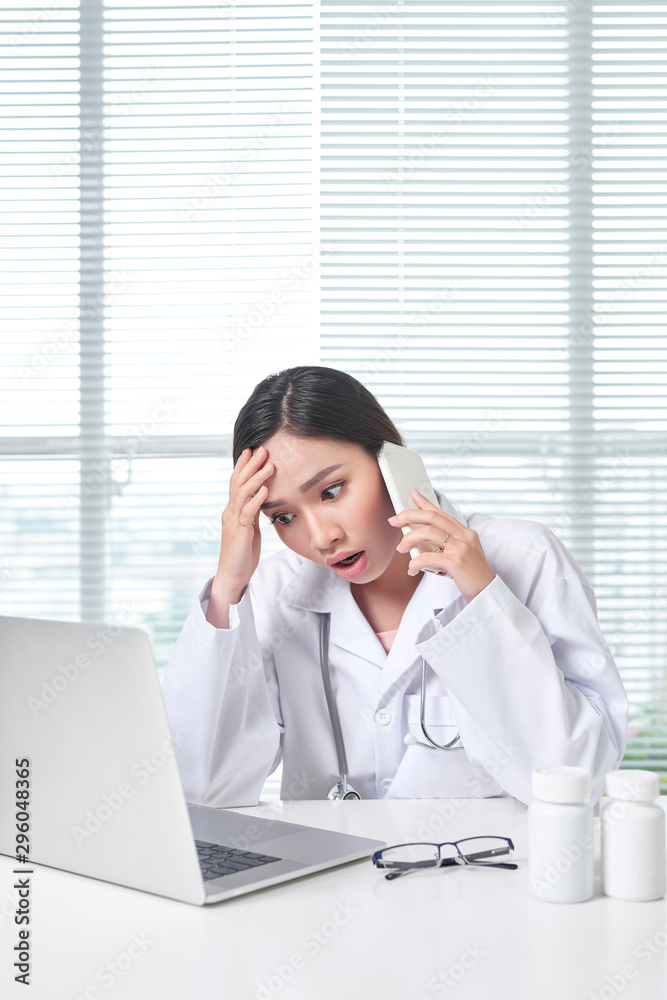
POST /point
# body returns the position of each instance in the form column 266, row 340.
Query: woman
column 514, row 660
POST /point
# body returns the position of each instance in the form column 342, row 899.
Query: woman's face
column 328, row 502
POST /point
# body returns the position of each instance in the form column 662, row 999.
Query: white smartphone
column 403, row 471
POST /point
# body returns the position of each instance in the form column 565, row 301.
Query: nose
column 323, row 530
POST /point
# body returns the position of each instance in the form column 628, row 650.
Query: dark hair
column 312, row 401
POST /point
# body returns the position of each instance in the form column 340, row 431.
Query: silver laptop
column 85, row 743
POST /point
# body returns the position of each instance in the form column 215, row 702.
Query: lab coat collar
column 313, row 587
column 432, row 596
column 316, row 588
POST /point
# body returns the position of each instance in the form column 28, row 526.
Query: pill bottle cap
column 636, row 786
column 570, row 785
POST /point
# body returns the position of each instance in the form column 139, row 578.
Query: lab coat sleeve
column 532, row 689
column 222, row 709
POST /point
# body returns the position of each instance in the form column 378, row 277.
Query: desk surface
column 345, row 934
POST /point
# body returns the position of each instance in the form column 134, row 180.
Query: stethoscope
column 343, row 789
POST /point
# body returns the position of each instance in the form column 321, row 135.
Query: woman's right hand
column 241, row 539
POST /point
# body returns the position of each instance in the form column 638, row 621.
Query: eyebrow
column 318, row 477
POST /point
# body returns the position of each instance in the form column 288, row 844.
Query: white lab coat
column 522, row 671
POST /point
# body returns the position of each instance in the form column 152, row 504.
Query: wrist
column 479, row 586
column 224, row 590
column 221, row 597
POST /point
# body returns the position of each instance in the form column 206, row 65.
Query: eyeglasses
column 483, row 851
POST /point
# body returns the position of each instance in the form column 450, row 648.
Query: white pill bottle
column 560, row 835
column 632, row 849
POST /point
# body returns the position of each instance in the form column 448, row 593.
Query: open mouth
column 349, row 561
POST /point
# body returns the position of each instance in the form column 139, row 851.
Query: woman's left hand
column 462, row 556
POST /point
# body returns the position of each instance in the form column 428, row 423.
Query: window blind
column 493, row 191
column 158, row 258
column 462, row 204
column 39, row 301
column 629, row 357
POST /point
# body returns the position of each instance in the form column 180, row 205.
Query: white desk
column 345, row 934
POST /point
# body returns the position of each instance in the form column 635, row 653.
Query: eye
column 332, row 492
column 328, row 493
column 281, row 518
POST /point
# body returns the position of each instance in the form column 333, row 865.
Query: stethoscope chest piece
column 342, row 792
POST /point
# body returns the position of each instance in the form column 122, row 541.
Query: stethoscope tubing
column 432, row 745
column 342, row 789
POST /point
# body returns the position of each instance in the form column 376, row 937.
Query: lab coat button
column 385, row 783
column 383, row 717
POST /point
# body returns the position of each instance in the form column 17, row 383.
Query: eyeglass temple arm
column 471, row 859
column 445, row 862
column 449, row 862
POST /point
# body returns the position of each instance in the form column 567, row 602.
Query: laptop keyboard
column 217, row 860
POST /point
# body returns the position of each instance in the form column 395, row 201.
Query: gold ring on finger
column 247, row 525
column 443, row 545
